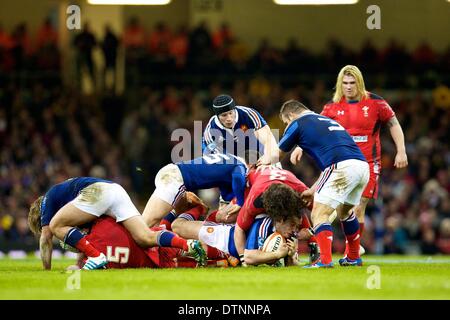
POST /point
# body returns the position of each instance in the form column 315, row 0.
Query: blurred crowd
column 50, row 132
column 164, row 54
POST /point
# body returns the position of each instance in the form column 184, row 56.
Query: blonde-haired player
column 361, row 113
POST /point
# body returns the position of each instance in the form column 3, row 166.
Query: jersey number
column 276, row 174
column 335, row 126
column 120, row 255
column 215, row 158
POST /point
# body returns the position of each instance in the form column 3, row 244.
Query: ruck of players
column 264, row 210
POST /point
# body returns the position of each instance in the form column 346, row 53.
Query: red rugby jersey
column 261, row 180
column 362, row 119
column 114, row 240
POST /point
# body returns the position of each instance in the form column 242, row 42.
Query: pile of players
column 97, row 218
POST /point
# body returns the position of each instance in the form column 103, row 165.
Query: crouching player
column 224, row 171
column 79, row 201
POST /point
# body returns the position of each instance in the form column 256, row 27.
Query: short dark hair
column 293, row 106
column 281, row 201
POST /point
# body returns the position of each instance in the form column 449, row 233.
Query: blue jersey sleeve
column 258, row 233
column 48, row 209
column 226, row 193
column 290, row 138
column 207, row 136
column 256, row 121
column 238, row 183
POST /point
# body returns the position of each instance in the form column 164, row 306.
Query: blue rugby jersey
column 224, row 171
column 256, row 236
column 241, row 135
column 325, row 140
column 62, row 193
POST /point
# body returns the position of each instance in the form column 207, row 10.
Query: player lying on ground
column 115, row 241
column 224, row 171
column 79, row 201
column 221, row 236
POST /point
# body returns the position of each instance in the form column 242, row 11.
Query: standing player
column 79, row 201
column 224, row 171
column 345, row 174
column 235, row 129
column 361, row 113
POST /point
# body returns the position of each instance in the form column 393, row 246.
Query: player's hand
column 304, row 234
column 307, row 197
column 401, row 160
column 292, row 245
column 264, row 160
column 296, row 155
column 282, row 251
column 228, row 212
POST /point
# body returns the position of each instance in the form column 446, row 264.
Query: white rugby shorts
column 169, row 184
column 106, row 198
column 342, row 183
column 216, row 235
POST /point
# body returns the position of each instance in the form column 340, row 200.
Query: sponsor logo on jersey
column 340, row 112
column 210, row 230
column 360, row 138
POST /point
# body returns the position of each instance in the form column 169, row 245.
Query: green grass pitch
column 393, row 277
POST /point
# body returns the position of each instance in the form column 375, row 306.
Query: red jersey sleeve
column 385, row 112
column 328, row 110
column 248, row 212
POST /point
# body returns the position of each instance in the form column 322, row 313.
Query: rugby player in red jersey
column 114, row 240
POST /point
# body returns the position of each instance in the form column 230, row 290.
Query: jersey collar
column 305, row 113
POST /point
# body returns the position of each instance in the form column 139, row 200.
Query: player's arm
column 266, row 137
column 401, row 159
column 46, row 247
column 238, row 182
column 255, row 257
column 239, row 241
column 207, row 139
column 286, row 144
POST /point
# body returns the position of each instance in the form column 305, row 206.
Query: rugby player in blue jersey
column 345, row 173
column 221, row 237
column 235, row 129
column 224, row 171
column 79, row 201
